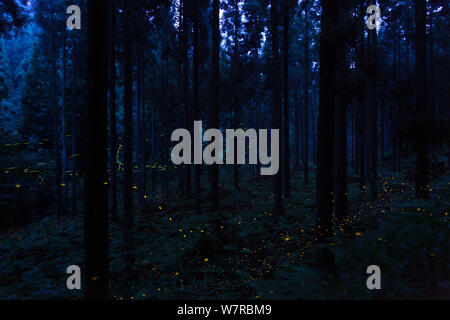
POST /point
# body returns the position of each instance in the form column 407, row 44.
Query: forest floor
column 232, row 254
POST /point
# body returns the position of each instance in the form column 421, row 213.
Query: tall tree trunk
column 361, row 126
column 237, row 108
column 353, row 131
column 341, row 83
column 396, row 110
column 140, row 103
column 382, row 134
column 277, row 112
column 325, row 132
column 96, row 215
column 112, row 112
column 164, row 103
column 373, row 114
column 287, row 189
column 181, row 120
column 128, row 133
column 367, row 106
column 196, row 97
column 63, row 126
column 314, row 128
column 74, row 124
column 258, row 100
column 215, row 108
column 297, row 128
column 431, row 89
column 58, row 181
column 187, row 111
column 306, row 97
column 421, row 112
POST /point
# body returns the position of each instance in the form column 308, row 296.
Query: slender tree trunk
column 237, row 108
column 196, row 97
column 258, row 101
column 181, row 120
column 382, row 134
column 367, row 106
column 325, row 132
column 164, row 104
column 408, row 38
column 362, row 127
column 396, row 110
column 314, row 130
column 353, row 131
column 215, row 108
column 306, row 97
column 431, row 88
column 128, row 134
column 187, row 111
column 341, row 195
column 152, row 151
column 112, row 113
column 297, row 128
column 63, row 126
column 74, row 114
column 277, row 112
column 58, row 181
column 421, row 112
column 287, row 189
column 96, row 215
column 373, row 116
column 341, row 83
column 140, row 103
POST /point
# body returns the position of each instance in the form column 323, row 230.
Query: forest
column 86, row 175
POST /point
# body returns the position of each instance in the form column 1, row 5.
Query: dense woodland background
column 85, row 171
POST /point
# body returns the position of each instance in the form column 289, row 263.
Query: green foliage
column 237, row 253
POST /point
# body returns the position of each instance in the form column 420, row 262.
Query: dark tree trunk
column 196, row 96
column 215, row 108
column 341, row 80
column 314, row 130
column 373, row 114
column 341, row 195
column 306, row 107
column 395, row 111
column 382, row 134
column 140, row 104
column 367, row 105
column 128, row 133
column 431, row 84
column 96, row 215
column 187, row 111
column 297, row 128
column 353, row 131
column 361, row 125
column 287, row 189
column 164, row 102
column 237, row 108
column 63, row 126
column 112, row 113
column 421, row 112
column 277, row 112
column 58, row 178
column 325, row 132
column 181, row 120
column 74, row 113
